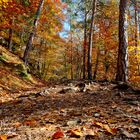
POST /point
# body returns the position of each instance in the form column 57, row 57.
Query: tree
column 10, row 14
column 136, row 31
column 32, row 34
column 10, row 36
column 89, row 63
column 122, row 63
column 85, row 43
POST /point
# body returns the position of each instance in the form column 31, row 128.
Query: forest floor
column 71, row 111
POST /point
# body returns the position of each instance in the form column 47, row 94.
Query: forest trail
column 83, row 111
column 43, row 43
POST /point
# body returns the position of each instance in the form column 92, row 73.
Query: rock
column 42, row 93
column 96, row 114
column 84, row 87
column 73, row 122
column 69, row 90
column 81, row 86
column 46, row 91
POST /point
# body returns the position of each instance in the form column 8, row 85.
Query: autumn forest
column 69, row 69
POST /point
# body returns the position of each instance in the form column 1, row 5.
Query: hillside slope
column 14, row 76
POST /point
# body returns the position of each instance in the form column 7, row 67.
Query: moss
column 28, row 77
column 21, row 67
column 21, row 70
column 3, row 59
column 23, row 74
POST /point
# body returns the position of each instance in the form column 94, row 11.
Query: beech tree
column 122, row 63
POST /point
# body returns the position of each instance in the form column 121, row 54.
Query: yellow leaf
column 3, row 137
column 75, row 133
column 106, row 127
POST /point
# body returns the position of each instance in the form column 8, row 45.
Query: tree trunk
column 71, row 49
column 106, row 65
column 122, row 64
column 71, row 59
column 89, row 63
column 85, row 45
column 136, row 33
column 32, row 34
column 10, row 42
column 65, row 63
column 96, row 64
column 136, row 24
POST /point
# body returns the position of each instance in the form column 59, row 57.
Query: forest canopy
column 73, row 39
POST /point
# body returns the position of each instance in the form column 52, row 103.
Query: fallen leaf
column 98, row 124
column 57, row 135
column 3, row 137
column 90, row 132
column 17, row 124
column 12, row 136
column 111, row 121
column 75, row 133
column 106, row 127
column 89, row 137
column 128, row 134
column 31, row 123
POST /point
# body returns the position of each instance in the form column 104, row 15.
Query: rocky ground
column 71, row 111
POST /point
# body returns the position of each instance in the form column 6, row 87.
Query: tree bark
column 136, row 24
column 136, row 34
column 85, row 45
column 106, row 65
column 71, row 49
column 122, row 64
column 71, row 58
column 32, row 34
column 10, row 42
column 96, row 65
column 89, row 63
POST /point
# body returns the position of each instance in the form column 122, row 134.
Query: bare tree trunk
column 122, row 64
column 96, row 64
column 71, row 59
column 71, row 49
column 89, row 63
column 32, row 34
column 65, row 64
column 10, row 42
column 85, row 45
column 106, row 65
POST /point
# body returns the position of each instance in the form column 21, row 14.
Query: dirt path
column 99, row 112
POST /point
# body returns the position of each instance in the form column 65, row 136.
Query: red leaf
column 57, row 135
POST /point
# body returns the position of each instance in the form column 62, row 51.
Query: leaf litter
column 71, row 110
